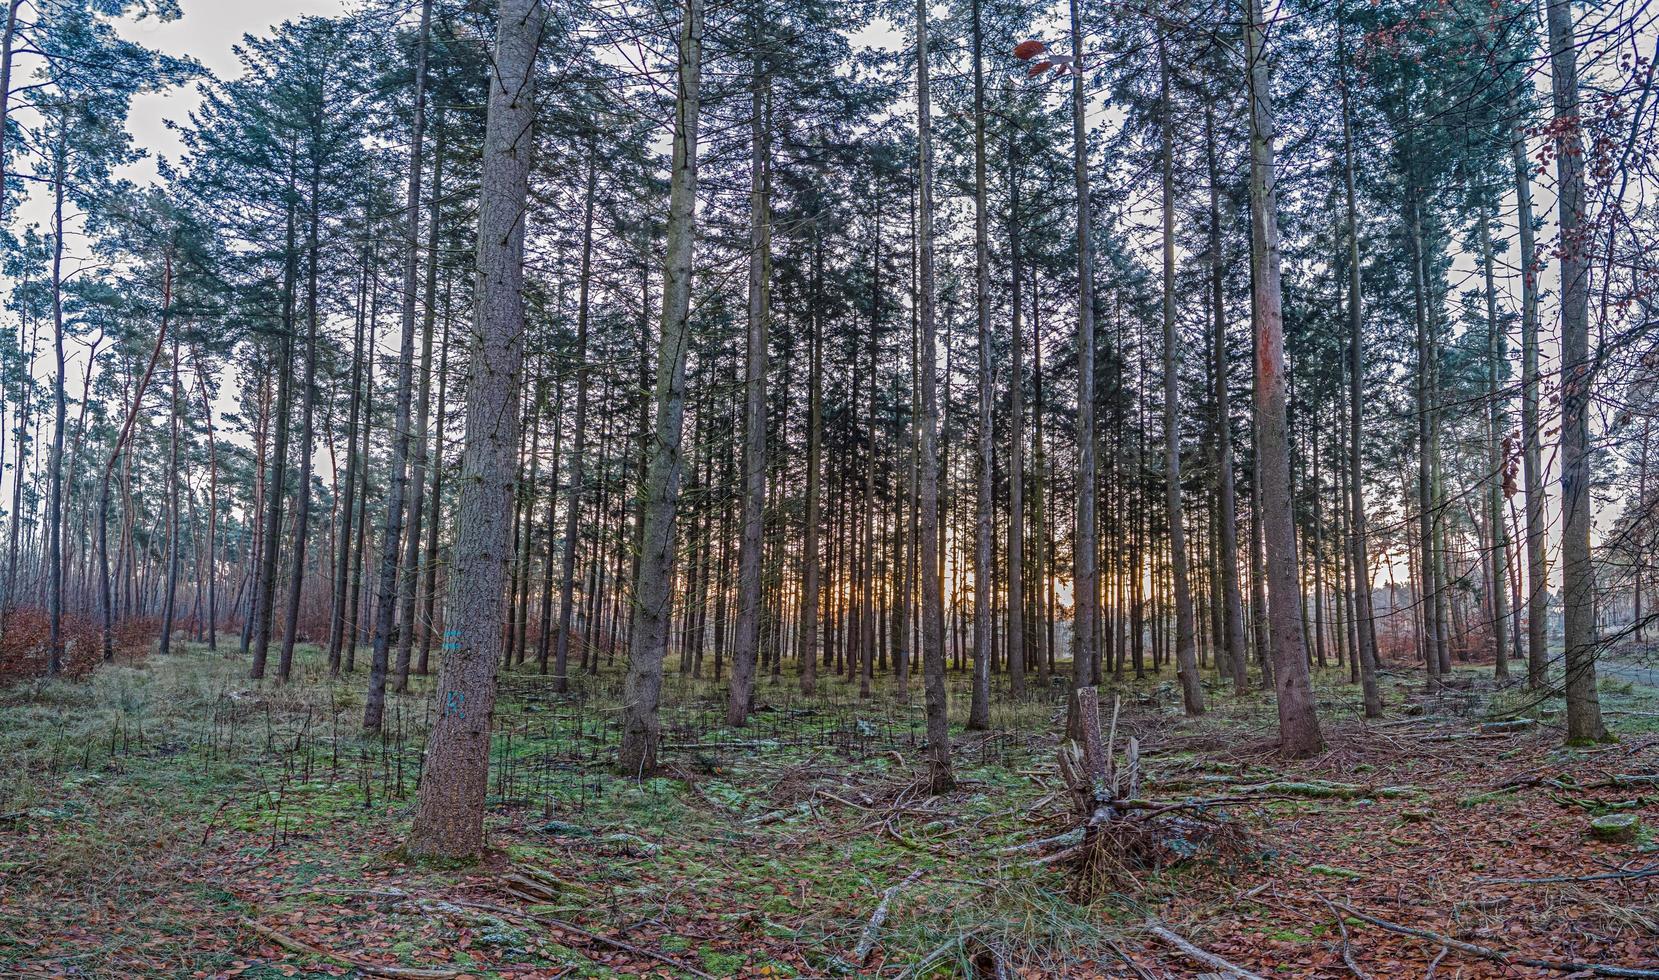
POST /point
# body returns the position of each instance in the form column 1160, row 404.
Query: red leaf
column 1026, row 50
column 1039, row 68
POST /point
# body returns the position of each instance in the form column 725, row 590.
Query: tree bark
column 1085, row 577
column 1577, row 377
column 641, row 726
column 577, row 494
column 385, row 626
column 940, row 776
column 449, row 816
column 1186, row 633
column 1532, row 470
column 1365, row 631
column 1226, row 489
column 751, row 544
column 1298, row 724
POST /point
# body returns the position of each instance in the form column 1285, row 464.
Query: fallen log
column 1499, row 956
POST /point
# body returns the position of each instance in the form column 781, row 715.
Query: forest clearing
column 167, row 818
column 897, row 488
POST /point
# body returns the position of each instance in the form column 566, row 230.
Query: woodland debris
column 1320, row 789
column 872, row 929
column 1647, row 872
column 1498, row 956
column 563, row 926
column 1197, row 954
column 1347, row 948
column 372, row 969
column 1120, row 831
column 1616, row 827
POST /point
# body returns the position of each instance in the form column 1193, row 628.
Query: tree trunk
column 1226, row 492
column 577, row 494
column 409, row 580
column 1298, row 724
column 340, row 612
column 1498, row 560
column 814, row 464
column 1577, row 377
column 1537, row 598
column 308, row 402
column 169, row 603
column 449, row 817
column 1186, row 633
column 1365, row 631
column 1085, row 578
column 1016, row 439
column 751, row 544
column 979, row 706
column 641, row 726
column 940, row 776
column 385, row 626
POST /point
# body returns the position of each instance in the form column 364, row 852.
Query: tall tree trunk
column 659, row 493
column 1365, row 631
column 1226, row 492
column 979, row 707
column 1429, row 586
column 940, row 776
column 1186, row 632
column 578, row 476
column 751, row 544
column 308, row 402
column 814, row 465
column 1498, row 560
column 1085, row 578
column 1016, row 439
column 340, row 612
column 429, row 564
column 116, row 452
column 449, row 817
column 1537, row 598
column 212, row 511
column 170, row 601
column 409, row 580
column 60, row 419
column 1298, row 724
column 1577, row 377
column 385, row 626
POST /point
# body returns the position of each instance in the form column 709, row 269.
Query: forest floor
column 169, row 818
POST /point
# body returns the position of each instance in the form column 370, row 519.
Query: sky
column 208, row 32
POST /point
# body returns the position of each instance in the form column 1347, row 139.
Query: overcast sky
column 207, row 32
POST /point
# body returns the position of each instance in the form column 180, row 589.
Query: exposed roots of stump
column 1124, row 834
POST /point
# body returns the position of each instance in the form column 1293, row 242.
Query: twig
column 872, row 929
column 1498, row 956
column 373, row 969
column 564, row 926
column 1434, row 964
column 1198, row 955
column 1072, row 836
column 1347, row 951
column 1647, row 872
column 1140, row 971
